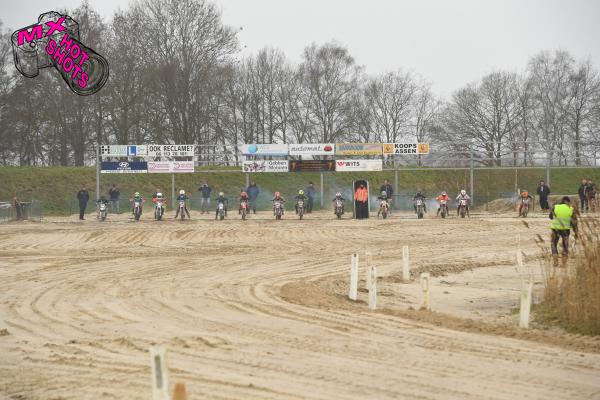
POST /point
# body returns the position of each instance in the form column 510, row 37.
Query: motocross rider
column 383, row 197
column 221, row 200
column 280, row 199
column 338, row 196
column 440, row 198
column 137, row 197
column 420, row 196
column 101, row 200
column 302, row 197
column 524, row 197
column 182, row 197
column 463, row 196
column 243, row 197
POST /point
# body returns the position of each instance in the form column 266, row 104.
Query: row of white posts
column 371, row 278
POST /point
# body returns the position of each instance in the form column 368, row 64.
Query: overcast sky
column 448, row 42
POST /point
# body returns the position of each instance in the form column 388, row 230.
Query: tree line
column 176, row 76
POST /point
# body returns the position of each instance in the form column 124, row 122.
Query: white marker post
column 353, row 294
column 372, row 288
column 526, row 293
column 369, row 263
column 425, row 286
column 160, row 374
column 405, row 264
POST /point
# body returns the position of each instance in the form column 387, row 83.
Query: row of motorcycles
column 384, row 208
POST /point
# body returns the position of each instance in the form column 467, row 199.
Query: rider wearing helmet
column 525, row 196
column 440, row 198
column 278, row 197
column 221, row 200
column 421, row 197
column 243, row 198
column 338, row 196
column 101, row 200
column 300, row 196
column 462, row 196
column 137, row 198
column 182, row 197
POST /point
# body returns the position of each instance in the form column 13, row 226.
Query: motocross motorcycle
column 300, row 208
column 443, row 208
column 182, row 209
column 244, row 209
column 159, row 210
column 221, row 211
column 102, row 211
column 420, row 208
column 137, row 209
column 277, row 209
column 383, row 208
column 525, row 208
column 462, row 207
column 339, row 208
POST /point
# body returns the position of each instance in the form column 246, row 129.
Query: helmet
column 300, row 192
column 524, row 193
column 444, row 194
column 243, row 194
column 221, row 194
column 182, row 191
column 418, row 193
column 137, row 194
column 159, row 194
column 277, row 194
column 338, row 194
column 463, row 192
column 383, row 193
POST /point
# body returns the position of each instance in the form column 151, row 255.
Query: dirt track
column 81, row 303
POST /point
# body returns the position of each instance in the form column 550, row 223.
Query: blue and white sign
column 270, row 149
column 124, row 167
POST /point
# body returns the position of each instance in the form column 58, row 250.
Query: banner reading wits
column 358, row 165
column 312, row 165
column 358, row 149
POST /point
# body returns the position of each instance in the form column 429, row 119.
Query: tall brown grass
column 572, row 293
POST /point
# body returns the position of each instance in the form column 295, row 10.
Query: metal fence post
column 322, row 190
column 173, row 190
column 471, row 180
column 98, row 172
column 548, row 168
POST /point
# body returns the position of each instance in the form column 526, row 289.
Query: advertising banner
column 358, row 149
column 265, row 166
column 119, row 150
column 406, row 148
column 170, row 167
column 264, row 149
column 358, row 165
column 124, row 167
column 312, row 165
column 317, row 149
column 171, row 150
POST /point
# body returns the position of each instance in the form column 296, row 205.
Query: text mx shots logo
column 54, row 41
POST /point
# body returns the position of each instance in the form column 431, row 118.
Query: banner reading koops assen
column 358, row 149
column 265, row 166
column 316, row 149
column 358, row 165
column 170, row 167
column 264, row 149
column 406, row 148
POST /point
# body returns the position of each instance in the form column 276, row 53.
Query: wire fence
column 21, row 211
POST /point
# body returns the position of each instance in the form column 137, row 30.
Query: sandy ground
column 258, row 310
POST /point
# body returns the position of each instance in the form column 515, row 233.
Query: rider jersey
column 442, row 197
column 182, row 197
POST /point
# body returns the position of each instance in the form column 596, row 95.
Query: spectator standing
column 114, row 194
column 361, row 199
column 583, row 205
column 19, row 208
column 590, row 193
column 252, row 191
column 83, row 196
column 204, row 197
column 543, row 191
column 311, row 192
